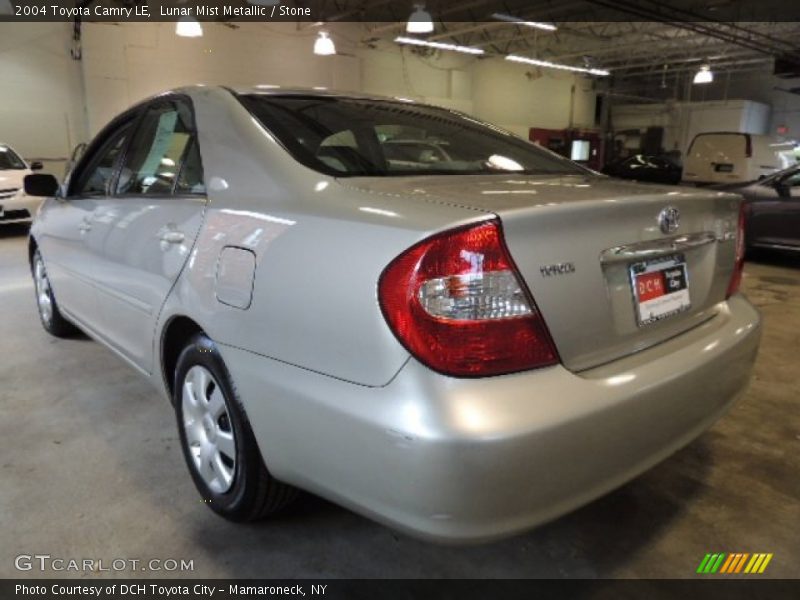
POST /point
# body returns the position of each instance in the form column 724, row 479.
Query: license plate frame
column 660, row 288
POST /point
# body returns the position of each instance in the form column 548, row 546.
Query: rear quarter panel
column 320, row 249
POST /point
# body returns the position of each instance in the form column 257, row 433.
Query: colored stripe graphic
column 765, row 563
column 734, row 563
column 741, row 562
column 711, row 563
column 727, row 564
column 718, row 563
column 703, row 563
column 755, row 562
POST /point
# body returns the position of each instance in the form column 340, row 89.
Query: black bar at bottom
column 718, row 588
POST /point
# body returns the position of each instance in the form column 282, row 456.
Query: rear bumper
column 471, row 460
column 20, row 208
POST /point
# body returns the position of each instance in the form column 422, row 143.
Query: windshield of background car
column 351, row 137
column 9, row 159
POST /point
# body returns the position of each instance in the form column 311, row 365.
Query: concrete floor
column 91, row 468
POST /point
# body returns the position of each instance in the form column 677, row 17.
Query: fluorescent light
column 438, row 45
column 518, row 21
column 420, row 20
column 549, row 65
column 188, row 27
column 323, row 45
column 704, row 75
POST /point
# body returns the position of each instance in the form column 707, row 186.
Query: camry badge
column 564, row 268
column 669, row 219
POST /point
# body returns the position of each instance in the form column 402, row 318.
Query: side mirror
column 40, row 184
column 36, row 165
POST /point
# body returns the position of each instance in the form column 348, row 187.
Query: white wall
column 124, row 63
column 41, row 113
column 51, row 102
column 519, row 98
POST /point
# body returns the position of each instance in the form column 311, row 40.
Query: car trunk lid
column 575, row 240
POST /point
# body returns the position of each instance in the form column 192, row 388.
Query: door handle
column 85, row 226
column 173, row 237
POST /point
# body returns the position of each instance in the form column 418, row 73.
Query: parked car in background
column 15, row 205
column 646, row 168
column 772, row 207
column 730, row 157
column 462, row 350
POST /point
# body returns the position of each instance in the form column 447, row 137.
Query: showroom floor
column 89, row 454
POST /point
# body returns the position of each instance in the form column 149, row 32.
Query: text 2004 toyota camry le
column 395, row 306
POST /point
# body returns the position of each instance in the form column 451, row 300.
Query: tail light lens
column 456, row 302
column 736, row 278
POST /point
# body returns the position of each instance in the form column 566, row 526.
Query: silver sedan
column 461, row 348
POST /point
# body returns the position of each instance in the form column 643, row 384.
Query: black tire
column 253, row 493
column 52, row 320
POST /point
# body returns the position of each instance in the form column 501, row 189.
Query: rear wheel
column 52, row 320
column 217, row 440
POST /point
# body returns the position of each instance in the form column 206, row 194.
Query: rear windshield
column 9, row 159
column 350, row 137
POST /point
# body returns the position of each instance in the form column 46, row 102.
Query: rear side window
column 163, row 156
column 95, row 177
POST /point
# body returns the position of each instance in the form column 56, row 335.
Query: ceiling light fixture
column 704, row 75
column 188, row 27
column 550, row 65
column 420, row 20
column 323, row 45
column 518, row 21
column 438, row 45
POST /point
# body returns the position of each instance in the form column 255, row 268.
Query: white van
column 729, row 157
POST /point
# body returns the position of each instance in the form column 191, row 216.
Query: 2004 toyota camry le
column 461, row 344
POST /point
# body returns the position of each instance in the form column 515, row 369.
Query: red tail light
column 736, row 278
column 456, row 302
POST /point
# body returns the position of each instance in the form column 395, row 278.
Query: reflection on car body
column 381, row 332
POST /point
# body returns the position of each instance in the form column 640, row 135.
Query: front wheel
column 49, row 314
column 217, row 441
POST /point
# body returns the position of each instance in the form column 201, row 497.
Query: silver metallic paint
column 335, row 402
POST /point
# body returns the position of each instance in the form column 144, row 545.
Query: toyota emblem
column 669, row 219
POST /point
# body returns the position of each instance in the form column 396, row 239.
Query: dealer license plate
column 660, row 288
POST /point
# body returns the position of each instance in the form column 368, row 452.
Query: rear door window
column 163, row 156
column 95, row 177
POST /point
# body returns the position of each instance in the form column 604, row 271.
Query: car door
column 775, row 212
column 148, row 226
column 67, row 237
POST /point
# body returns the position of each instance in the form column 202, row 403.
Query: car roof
column 278, row 90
